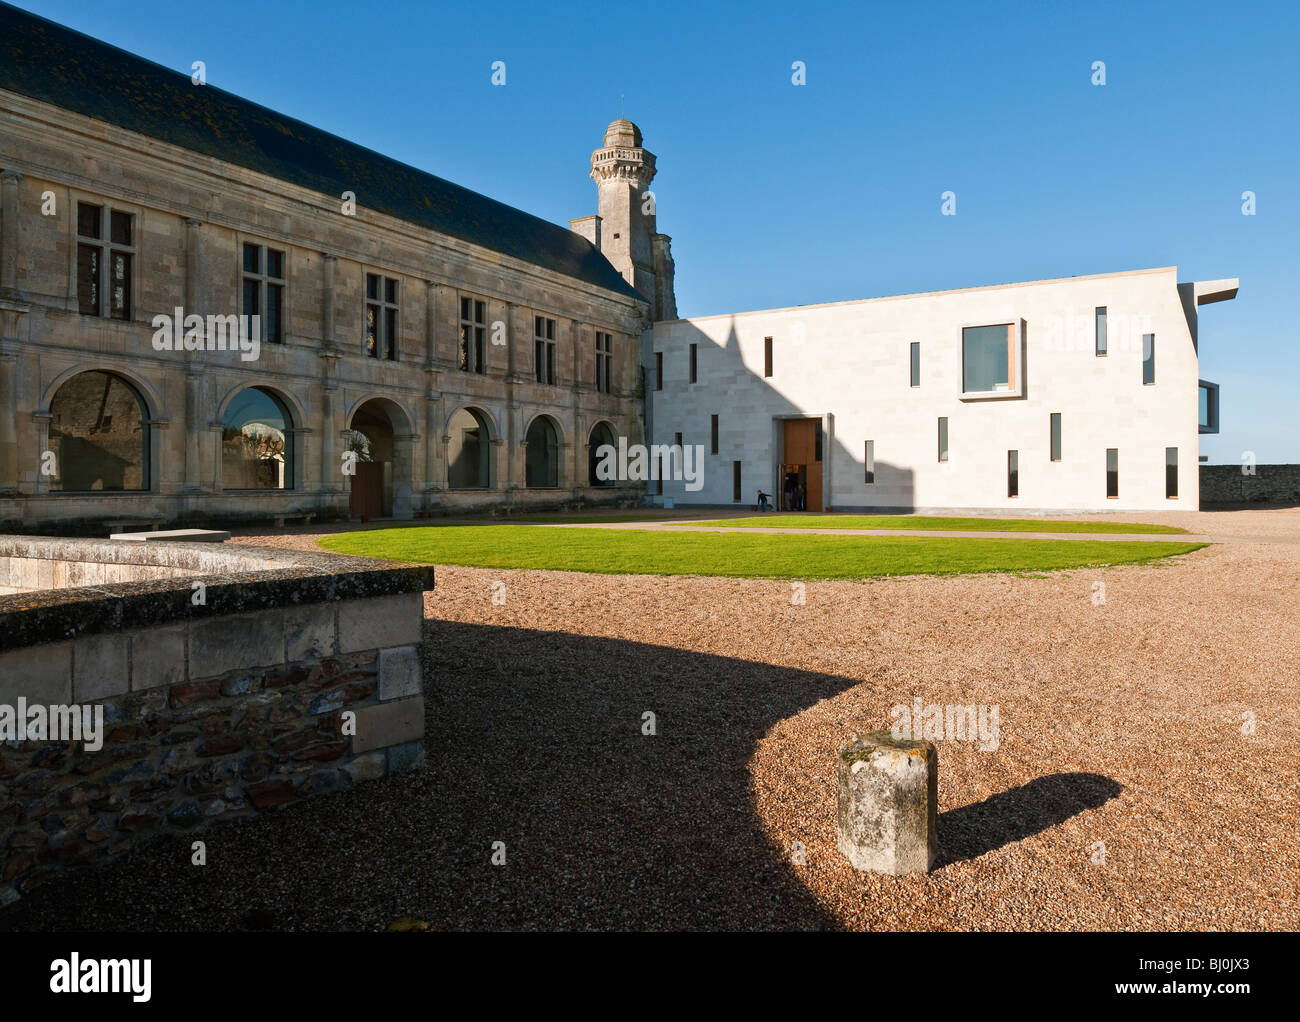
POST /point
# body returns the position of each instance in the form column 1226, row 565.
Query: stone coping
column 236, row 579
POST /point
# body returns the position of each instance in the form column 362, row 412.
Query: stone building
column 409, row 347
column 1074, row 394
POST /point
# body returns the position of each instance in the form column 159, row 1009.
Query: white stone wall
column 849, row 363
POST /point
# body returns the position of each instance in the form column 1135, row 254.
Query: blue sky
column 780, row 195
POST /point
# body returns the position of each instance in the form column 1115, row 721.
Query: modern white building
column 1074, row 394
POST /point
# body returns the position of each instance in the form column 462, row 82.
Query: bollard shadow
column 1021, row 812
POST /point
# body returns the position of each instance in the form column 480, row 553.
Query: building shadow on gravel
column 534, row 739
column 1021, row 812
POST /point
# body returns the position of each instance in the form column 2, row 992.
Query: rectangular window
column 1112, row 472
column 1171, row 472
column 264, row 290
column 544, row 349
column 604, row 362
column 869, row 461
column 988, row 358
column 381, row 317
column 713, row 433
column 693, row 362
column 735, row 481
column 473, row 327
column 1013, row 473
column 104, row 262
column 767, row 357
column 1056, row 436
column 1148, row 358
column 1101, row 329
column 943, row 438
column 916, row 363
column 659, row 370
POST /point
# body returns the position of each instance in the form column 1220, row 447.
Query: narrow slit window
column 1148, row 359
column 1013, row 473
column 1112, row 472
column 1101, row 329
column 1171, row 473
column 1056, row 436
column 767, row 356
column 659, row 370
column 869, row 460
column 713, row 433
column 943, row 438
column 735, row 482
column 694, row 361
column 916, row 363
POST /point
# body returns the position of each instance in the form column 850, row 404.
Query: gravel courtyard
column 1127, row 791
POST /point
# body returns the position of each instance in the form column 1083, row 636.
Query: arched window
column 542, row 467
column 257, row 443
column 601, row 436
column 99, row 433
column 469, row 451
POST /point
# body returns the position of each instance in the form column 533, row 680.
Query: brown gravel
column 1119, row 723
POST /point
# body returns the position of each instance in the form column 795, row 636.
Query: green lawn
column 779, row 521
column 739, row 555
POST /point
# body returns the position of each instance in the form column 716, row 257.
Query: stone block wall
column 1272, row 484
column 207, row 716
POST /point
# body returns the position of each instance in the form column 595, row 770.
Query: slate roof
column 53, row 64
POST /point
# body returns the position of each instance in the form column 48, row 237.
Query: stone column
column 403, row 455
column 8, row 417
column 43, row 420
column 9, row 181
column 193, row 361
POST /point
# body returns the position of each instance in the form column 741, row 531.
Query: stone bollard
column 888, row 819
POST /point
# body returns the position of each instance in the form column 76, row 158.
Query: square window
column 988, row 358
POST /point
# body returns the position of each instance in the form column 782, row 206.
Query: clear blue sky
column 777, row 195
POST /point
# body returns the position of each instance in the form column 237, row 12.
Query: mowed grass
column 736, row 555
column 779, row 521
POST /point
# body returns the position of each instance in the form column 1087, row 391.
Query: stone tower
column 624, row 226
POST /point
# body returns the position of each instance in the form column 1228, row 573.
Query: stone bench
column 888, row 818
column 176, row 536
column 118, row 524
column 305, row 517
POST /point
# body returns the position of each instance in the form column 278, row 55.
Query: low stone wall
column 297, row 674
column 1272, row 484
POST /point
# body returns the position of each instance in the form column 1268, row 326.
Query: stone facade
column 191, row 216
column 848, row 367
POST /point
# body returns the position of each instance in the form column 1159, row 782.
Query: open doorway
column 371, row 436
column 801, row 472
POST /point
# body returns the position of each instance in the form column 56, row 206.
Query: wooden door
column 802, row 450
column 368, row 490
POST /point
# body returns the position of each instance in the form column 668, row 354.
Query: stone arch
column 601, row 432
column 379, row 432
column 471, row 436
column 258, row 439
column 150, row 394
column 543, row 444
column 99, row 430
column 403, row 422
